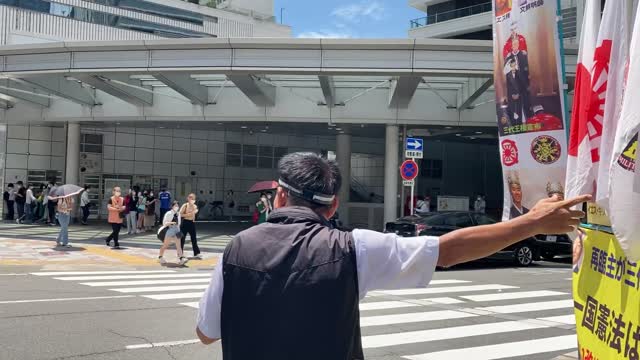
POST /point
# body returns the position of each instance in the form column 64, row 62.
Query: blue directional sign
column 414, row 148
column 414, row 144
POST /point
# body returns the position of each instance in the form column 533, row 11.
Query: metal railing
column 450, row 15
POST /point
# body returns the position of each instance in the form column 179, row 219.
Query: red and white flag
column 624, row 201
column 610, row 62
column 586, row 129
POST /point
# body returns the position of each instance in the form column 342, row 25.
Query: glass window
column 101, row 18
column 91, row 143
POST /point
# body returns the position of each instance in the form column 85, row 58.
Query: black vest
column 291, row 291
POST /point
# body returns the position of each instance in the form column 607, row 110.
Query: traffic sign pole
column 411, row 200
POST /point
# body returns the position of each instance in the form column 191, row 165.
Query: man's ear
column 280, row 200
column 332, row 210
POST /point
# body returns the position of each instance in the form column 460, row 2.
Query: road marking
column 506, row 350
column 61, row 273
column 192, row 304
column 132, row 277
column 14, row 274
column 512, row 295
column 160, row 288
column 536, row 306
column 453, row 289
column 65, row 299
column 563, row 319
column 146, row 282
column 175, row 296
column 383, row 305
column 162, row 344
column 444, row 300
column 407, row 318
column 421, row 336
column 448, row 282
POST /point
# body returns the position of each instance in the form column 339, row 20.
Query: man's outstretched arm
column 549, row 216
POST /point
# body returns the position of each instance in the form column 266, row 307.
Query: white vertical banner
column 624, row 199
column 529, row 102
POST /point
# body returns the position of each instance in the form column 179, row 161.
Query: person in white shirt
column 423, row 206
column 480, row 205
column 85, row 204
column 170, row 233
column 30, row 203
column 308, row 186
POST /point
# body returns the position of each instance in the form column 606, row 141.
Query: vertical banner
column 606, row 293
column 529, row 102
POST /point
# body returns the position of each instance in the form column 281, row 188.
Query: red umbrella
column 263, row 186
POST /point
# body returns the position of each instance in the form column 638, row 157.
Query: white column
column 72, row 170
column 391, row 169
column 343, row 156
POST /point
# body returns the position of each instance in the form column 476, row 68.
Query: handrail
column 450, row 15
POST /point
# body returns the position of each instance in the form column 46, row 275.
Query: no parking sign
column 409, row 171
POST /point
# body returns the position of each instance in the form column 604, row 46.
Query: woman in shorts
column 170, row 233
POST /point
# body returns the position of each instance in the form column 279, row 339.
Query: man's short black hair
column 309, row 172
column 10, row 185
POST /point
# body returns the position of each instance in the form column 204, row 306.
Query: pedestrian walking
column 85, row 204
column 142, row 204
column 480, row 204
column 21, row 198
column 170, row 233
column 116, row 209
column 297, row 272
column 150, row 212
column 51, row 204
column 131, row 203
column 165, row 202
column 65, row 206
column 30, row 204
column 231, row 203
column 262, row 207
column 10, row 198
column 188, row 214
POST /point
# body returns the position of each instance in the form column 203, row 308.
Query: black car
column 522, row 253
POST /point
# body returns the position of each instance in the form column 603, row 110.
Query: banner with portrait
column 529, row 102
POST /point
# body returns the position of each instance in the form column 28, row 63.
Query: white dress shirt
column 384, row 262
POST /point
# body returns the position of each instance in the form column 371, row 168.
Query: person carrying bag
column 170, row 233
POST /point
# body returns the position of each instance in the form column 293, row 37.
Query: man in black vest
column 289, row 289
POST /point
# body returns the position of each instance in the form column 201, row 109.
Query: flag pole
column 565, row 85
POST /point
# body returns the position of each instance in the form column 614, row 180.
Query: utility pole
column 281, row 11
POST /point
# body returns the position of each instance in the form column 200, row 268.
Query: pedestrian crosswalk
column 208, row 239
column 450, row 319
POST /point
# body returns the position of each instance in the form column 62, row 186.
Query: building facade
column 36, row 21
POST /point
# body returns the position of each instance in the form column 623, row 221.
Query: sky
column 347, row 18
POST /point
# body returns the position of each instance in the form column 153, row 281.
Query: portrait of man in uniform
column 517, row 73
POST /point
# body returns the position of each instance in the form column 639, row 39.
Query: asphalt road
column 488, row 311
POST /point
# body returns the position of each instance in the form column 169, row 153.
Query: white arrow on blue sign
column 414, row 144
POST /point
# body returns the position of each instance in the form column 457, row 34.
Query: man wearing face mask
column 188, row 214
column 289, row 289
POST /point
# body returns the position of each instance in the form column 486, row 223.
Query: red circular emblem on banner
column 509, row 152
column 545, row 149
